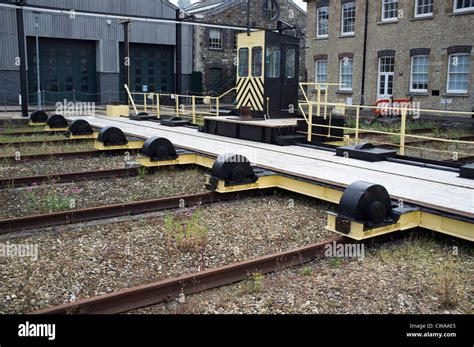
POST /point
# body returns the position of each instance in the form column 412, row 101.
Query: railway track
column 43, row 142
column 69, row 155
column 30, row 133
column 409, row 131
column 13, row 182
column 11, row 225
column 154, row 293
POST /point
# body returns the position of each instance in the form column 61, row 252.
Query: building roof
column 209, row 7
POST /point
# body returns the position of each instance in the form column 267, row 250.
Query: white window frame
column 385, row 75
column 349, row 33
column 422, row 15
column 316, row 72
column 389, row 19
column 463, row 9
column 318, row 35
column 411, row 74
column 220, row 40
column 457, row 91
column 341, row 87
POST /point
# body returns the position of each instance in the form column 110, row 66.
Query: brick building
column 393, row 48
column 215, row 49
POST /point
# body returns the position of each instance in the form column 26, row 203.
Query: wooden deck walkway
column 441, row 190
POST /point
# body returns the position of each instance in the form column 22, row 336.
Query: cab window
column 272, row 62
column 243, row 62
column 257, row 61
column 290, row 63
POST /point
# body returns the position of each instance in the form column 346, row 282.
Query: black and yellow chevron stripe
column 250, row 93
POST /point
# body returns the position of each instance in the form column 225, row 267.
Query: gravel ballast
column 46, row 148
column 88, row 261
column 417, row 275
column 59, row 166
column 54, row 197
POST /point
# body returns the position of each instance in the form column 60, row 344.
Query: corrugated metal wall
column 87, row 28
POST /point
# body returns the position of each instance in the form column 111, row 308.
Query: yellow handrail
column 403, row 111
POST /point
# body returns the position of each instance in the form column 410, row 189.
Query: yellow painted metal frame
column 79, row 137
column 286, row 183
column 183, row 159
column 30, row 123
column 133, row 144
column 409, row 220
column 47, row 128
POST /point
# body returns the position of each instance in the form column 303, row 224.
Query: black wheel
column 112, row 136
column 39, row 117
column 159, row 148
column 365, row 202
column 80, row 127
column 57, row 121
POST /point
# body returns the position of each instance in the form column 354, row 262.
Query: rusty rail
column 118, row 210
column 10, row 182
column 154, row 293
column 41, row 142
column 29, row 133
column 69, row 155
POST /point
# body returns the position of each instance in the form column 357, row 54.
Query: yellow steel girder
column 183, row 159
column 30, row 123
column 79, row 137
column 47, row 128
column 409, row 220
column 133, row 144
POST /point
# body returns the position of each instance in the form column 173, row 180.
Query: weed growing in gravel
column 50, row 198
column 186, row 234
column 335, row 262
column 255, row 283
column 306, row 271
column 446, row 284
column 142, row 171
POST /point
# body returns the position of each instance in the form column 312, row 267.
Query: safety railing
column 194, row 107
column 397, row 133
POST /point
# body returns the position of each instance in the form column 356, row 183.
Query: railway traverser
column 366, row 209
column 270, row 139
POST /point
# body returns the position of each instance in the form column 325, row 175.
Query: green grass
column 185, row 234
column 306, row 271
column 39, row 138
column 8, row 128
column 255, row 283
column 424, row 254
column 46, row 148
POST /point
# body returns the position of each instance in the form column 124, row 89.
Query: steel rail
column 30, row 133
column 69, row 155
column 10, row 225
column 13, row 182
column 154, row 293
column 41, row 142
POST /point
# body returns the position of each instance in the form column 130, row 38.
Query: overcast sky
column 299, row 2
